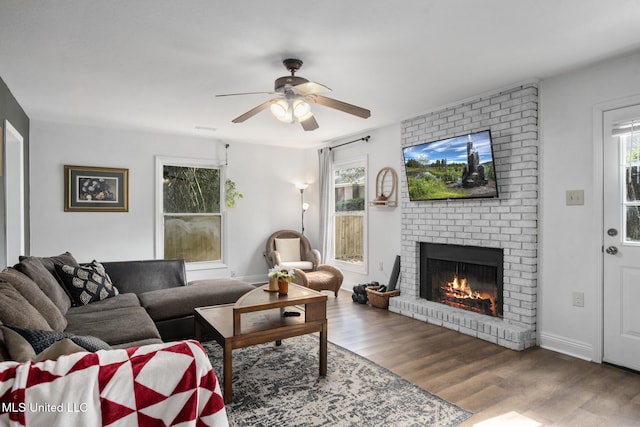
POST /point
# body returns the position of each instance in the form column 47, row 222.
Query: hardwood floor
column 491, row 381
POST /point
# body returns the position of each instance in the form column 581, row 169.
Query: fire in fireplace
column 458, row 293
column 466, row 277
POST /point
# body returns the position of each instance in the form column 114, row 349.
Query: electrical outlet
column 575, row 197
column 578, row 299
column 233, row 273
column 380, row 266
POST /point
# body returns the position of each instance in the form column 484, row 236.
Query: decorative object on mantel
column 282, row 275
column 386, row 188
column 95, row 189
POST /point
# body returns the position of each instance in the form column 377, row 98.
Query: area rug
column 280, row 386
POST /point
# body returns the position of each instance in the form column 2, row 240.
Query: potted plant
column 281, row 276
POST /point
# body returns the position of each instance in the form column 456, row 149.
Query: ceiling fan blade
column 245, row 93
column 310, row 123
column 253, row 111
column 310, row 88
column 342, row 106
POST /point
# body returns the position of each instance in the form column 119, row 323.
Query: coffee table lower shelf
column 258, row 327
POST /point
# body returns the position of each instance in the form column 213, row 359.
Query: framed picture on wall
column 95, row 189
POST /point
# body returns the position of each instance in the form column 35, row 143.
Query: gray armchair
column 292, row 249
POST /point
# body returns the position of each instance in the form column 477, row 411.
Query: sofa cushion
column 46, row 279
column 18, row 348
column 165, row 304
column 86, row 284
column 36, row 297
column 4, row 353
column 117, row 326
column 302, row 265
column 146, row 275
column 119, row 301
column 50, row 261
column 16, row 310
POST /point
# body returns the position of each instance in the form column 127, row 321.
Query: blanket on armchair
column 154, row 385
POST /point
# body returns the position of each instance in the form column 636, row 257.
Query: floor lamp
column 303, row 205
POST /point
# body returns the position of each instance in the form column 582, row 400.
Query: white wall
column 265, row 176
column 382, row 150
column 571, row 236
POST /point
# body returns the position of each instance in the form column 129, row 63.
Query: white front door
column 621, row 242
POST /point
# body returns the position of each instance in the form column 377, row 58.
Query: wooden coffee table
column 258, row 317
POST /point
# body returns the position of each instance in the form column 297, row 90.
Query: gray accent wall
column 11, row 110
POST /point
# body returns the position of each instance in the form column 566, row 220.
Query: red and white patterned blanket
column 170, row 384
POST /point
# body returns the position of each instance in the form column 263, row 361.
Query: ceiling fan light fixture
column 282, row 111
column 301, row 109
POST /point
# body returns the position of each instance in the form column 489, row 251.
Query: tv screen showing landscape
column 454, row 168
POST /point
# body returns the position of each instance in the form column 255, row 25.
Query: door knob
column 612, row 250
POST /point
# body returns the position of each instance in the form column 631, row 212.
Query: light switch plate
column 575, row 197
column 578, row 299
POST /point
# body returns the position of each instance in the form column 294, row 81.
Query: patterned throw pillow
column 86, row 284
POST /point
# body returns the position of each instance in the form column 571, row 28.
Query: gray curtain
column 325, row 157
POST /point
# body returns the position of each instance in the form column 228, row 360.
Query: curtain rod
column 365, row 139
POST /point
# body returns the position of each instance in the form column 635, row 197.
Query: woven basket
column 380, row 299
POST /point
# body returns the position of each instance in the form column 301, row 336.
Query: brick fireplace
column 507, row 224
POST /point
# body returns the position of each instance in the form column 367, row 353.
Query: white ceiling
column 158, row 64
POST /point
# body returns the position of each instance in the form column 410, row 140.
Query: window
column 630, row 139
column 349, row 214
column 189, row 211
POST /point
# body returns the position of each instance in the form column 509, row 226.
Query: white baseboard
column 581, row 350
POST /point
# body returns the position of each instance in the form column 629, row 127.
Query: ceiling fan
column 294, row 95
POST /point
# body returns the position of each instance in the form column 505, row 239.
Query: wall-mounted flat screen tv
column 454, row 168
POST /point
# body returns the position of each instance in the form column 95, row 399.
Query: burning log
column 458, row 293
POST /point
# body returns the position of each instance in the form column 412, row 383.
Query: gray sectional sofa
column 152, row 301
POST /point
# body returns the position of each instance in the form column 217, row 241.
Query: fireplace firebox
column 465, row 277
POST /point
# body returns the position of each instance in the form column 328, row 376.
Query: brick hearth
column 509, row 222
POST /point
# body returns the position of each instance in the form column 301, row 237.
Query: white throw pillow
column 289, row 249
